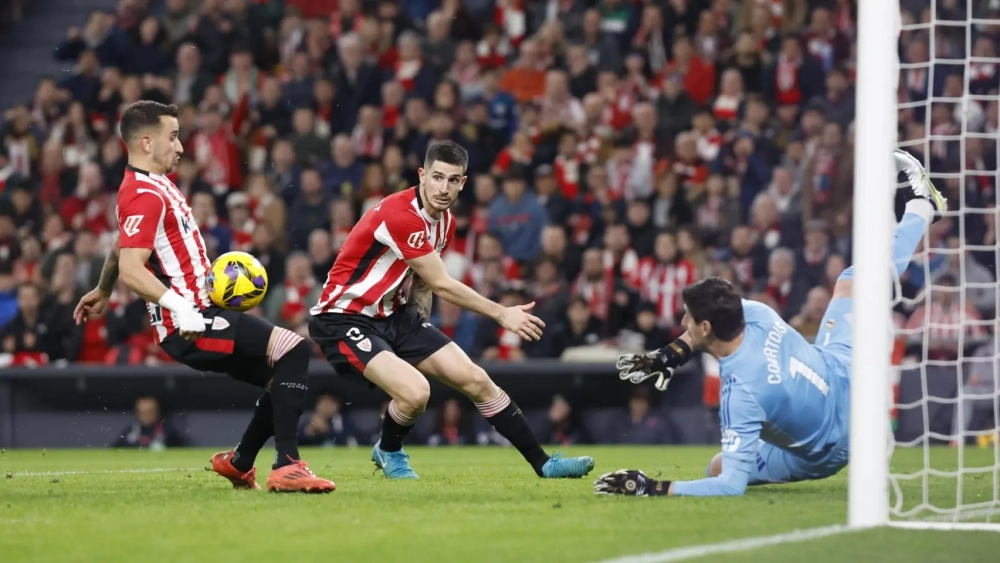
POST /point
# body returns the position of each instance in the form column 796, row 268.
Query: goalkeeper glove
column 630, row 482
column 658, row 363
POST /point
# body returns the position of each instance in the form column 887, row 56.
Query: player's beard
column 437, row 203
column 170, row 163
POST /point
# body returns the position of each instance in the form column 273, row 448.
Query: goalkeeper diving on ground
column 784, row 403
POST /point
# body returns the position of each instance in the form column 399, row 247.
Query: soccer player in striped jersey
column 371, row 318
column 785, row 403
column 160, row 255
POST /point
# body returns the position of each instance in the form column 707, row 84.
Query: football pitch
column 472, row 504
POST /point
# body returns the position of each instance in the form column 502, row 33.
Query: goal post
column 945, row 475
column 874, row 172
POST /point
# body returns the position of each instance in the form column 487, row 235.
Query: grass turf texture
column 472, row 504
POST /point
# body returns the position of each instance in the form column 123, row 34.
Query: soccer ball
column 237, row 281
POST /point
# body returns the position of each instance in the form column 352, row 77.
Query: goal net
column 944, row 448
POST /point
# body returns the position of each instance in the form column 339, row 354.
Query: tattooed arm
column 421, row 296
column 93, row 303
column 109, row 273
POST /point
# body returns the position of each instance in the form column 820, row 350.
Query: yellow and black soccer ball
column 237, row 281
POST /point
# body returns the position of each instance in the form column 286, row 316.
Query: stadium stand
column 619, row 150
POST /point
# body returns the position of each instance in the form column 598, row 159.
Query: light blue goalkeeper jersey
column 779, row 392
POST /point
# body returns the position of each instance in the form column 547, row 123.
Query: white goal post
column 877, row 485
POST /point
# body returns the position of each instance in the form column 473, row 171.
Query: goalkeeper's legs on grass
column 254, row 351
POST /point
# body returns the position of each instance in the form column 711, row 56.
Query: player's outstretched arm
column 431, row 269
column 658, row 363
column 94, row 302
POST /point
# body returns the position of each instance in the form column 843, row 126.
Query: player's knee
column 714, row 468
column 289, row 348
column 412, row 396
column 476, row 384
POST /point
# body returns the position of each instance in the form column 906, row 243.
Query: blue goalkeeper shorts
column 775, row 465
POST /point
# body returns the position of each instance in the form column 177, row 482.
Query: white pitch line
column 105, row 472
column 682, row 553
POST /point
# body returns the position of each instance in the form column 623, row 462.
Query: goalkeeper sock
column 261, row 428
column 506, row 418
column 910, row 231
column 289, row 391
column 908, row 234
column 395, row 427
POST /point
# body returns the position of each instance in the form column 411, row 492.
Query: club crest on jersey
column 365, row 345
column 416, row 240
column 131, row 225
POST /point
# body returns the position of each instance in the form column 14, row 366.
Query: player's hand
column 191, row 324
column 640, row 367
column 630, row 482
column 91, row 305
column 520, row 321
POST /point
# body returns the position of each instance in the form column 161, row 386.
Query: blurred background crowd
column 619, row 150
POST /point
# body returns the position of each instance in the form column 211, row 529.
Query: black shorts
column 234, row 344
column 349, row 342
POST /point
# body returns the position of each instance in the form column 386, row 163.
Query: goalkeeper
column 784, row 403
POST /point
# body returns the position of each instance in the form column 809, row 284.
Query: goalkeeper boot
column 559, row 467
column 395, row 465
column 920, row 184
column 222, row 464
column 296, row 477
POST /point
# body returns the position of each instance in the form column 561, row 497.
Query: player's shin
column 289, row 391
column 261, row 428
column 396, row 425
column 506, row 418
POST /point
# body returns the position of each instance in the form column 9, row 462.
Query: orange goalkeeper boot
column 222, row 463
column 297, row 478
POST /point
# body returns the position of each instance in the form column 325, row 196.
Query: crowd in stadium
column 619, row 150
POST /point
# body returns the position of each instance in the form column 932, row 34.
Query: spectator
column 946, row 323
column 808, row 320
column 639, row 425
column 288, row 305
column 795, row 77
column 452, row 427
column 149, row 430
column 579, row 328
column 562, row 426
column 327, row 426
column 517, row 218
column 787, row 291
column 310, row 209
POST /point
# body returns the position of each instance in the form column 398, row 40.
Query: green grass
column 472, row 504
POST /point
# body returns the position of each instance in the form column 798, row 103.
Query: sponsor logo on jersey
column 416, row 240
column 830, row 323
column 220, row 324
column 427, row 325
column 131, row 225
column 365, row 345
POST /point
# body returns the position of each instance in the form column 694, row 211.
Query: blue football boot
column 395, row 464
column 559, row 467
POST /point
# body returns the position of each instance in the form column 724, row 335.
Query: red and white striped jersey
column 153, row 214
column 370, row 274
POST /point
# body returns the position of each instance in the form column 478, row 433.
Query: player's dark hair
column 716, row 300
column 142, row 115
column 448, row 152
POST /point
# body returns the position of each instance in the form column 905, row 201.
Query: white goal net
column 945, row 463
